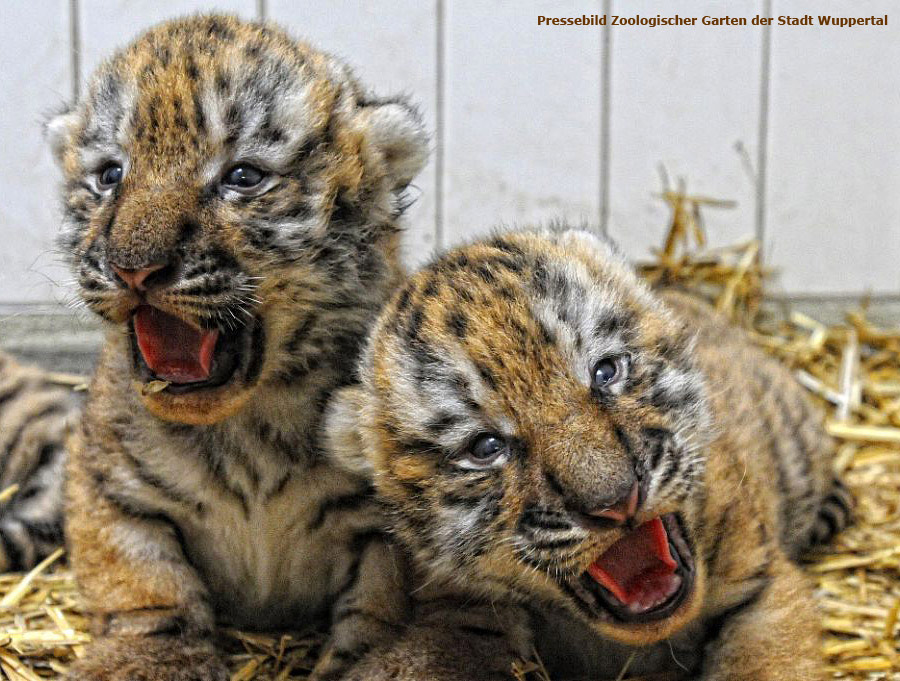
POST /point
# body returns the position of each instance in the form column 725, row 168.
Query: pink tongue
column 173, row 350
column 639, row 567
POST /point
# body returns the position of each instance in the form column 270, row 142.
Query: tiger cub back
column 36, row 411
column 761, row 400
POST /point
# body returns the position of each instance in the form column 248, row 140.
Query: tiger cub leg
column 370, row 610
column 453, row 639
column 773, row 636
column 150, row 617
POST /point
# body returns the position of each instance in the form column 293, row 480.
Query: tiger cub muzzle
column 194, row 333
column 641, row 565
column 646, row 575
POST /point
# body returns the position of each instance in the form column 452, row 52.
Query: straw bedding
column 853, row 368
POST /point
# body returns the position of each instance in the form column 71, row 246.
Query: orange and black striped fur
column 526, row 403
column 36, row 412
column 219, row 173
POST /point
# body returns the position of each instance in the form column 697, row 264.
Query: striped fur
column 191, row 507
column 35, row 415
column 499, row 340
column 835, row 513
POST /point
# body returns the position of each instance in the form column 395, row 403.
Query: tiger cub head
column 223, row 185
column 535, row 422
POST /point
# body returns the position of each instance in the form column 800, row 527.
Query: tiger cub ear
column 58, row 130
column 344, row 432
column 395, row 131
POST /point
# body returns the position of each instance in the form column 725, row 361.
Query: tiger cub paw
column 144, row 658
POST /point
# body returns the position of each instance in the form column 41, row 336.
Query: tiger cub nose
column 622, row 510
column 136, row 279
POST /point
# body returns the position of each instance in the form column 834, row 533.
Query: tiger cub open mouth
column 646, row 575
column 166, row 348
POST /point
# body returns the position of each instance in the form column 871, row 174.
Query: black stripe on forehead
column 612, row 322
column 457, row 323
column 507, row 246
column 218, row 30
column 234, row 123
column 199, row 114
column 178, row 117
column 442, row 422
column 540, row 277
column 568, row 299
column 584, row 309
column 191, row 68
column 107, row 111
column 108, row 92
column 560, row 287
column 222, row 82
column 268, row 132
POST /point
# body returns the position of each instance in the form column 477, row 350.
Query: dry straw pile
column 853, row 368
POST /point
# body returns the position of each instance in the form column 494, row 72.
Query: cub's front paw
column 149, row 658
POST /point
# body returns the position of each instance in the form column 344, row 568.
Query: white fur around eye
column 470, row 465
column 97, row 163
column 267, row 185
column 498, row 455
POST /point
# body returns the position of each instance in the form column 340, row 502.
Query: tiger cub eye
column 110, row 176
column 605, row 372
column 487, row 448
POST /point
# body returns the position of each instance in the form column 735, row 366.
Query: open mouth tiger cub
column 232, row 202
column 615, row 471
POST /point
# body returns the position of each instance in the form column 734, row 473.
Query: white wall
column 797, row 124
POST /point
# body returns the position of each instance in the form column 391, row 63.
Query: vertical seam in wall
column 605, row 104
column 440, row 61
column 762, row 152
column 261, row 9
column 75, row 49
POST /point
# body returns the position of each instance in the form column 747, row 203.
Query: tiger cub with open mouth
column 232, row 202
column 576, row 463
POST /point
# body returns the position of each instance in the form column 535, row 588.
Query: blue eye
column 110, row 176
column 243, row 177
column 487, row 448
column 606, row 372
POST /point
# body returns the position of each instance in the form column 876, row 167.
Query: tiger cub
column 36, row 412
column 232, row 201
column 579, row 464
